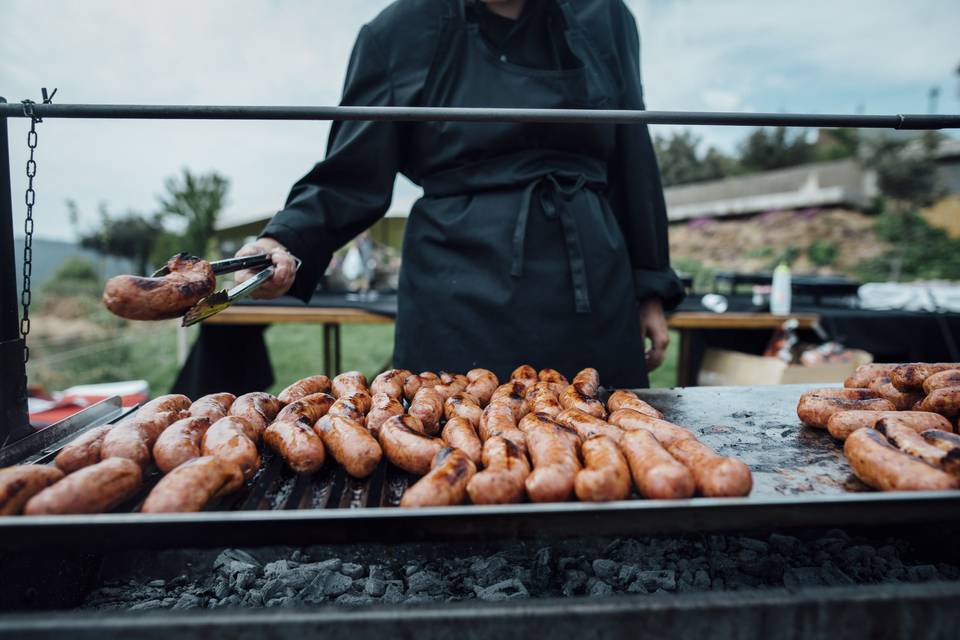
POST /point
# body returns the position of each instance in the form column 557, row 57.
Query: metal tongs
column 220, row 300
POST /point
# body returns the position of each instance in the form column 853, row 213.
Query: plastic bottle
column 780, row 294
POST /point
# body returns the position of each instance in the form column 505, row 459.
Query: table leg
column 336, row 345
column 683, row 364
column 327, row 355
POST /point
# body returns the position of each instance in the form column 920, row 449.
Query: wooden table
column 684, row 322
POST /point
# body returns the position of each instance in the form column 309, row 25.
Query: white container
column 780, row 293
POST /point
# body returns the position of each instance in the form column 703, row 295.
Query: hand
column 284, row 268
column 653, row 325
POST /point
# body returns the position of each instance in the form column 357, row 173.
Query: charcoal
column 759, row 546
column 834, row 576
column 235, row 554
column 336, row 584
column 149, row 604
column 352, row 600
column 488, row 571
column 800, row 577
column 542, row 571
column 653, row 580
column 424, row 582
column 599, row 588
column 922, row 573
column 157, row 583
column 221, row 588
column 511, row 589
column 574, row 582
column 394, row 592
column 375, row 587
column 603, row 568
column 701, row 580
column 352, row 570
column 784, row 544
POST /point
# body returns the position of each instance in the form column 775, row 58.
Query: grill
column 800, row 480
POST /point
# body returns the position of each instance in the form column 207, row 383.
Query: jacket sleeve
column 635, row 189
column 352, row 187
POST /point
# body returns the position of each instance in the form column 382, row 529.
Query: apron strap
column 554, row 199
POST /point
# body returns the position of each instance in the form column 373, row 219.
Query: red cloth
column 69, row 405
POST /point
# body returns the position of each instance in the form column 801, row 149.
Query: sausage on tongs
column 445, row 484
column 304, row 387
column 21, row 482
column 192, row 485
column 350, row 444
column 94, row 489
column 189, row 279
column 502, row 480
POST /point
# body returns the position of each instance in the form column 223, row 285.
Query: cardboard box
column 721, row 367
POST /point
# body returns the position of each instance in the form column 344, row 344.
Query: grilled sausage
column 180, row 442
column 909, row 377
column 134, row 438
column 716, row 476
column 427, row 407
column 605, row 476
column 137, row 298
column 192, row 485
column 498, row 420
column 460, row 434
column 349, row 382
column 552, row 376
column 882, row 466
column 502, row 480
column 83, row 451
column 406, row 446
column 665, row 432
column 292, row 435
column 949, row 443
column 234, row 439
column 656, row 474
column 307, row 409
column 463, row 405
column 865, row 374
column 623, row 399
column 94, row 489
column 413, row 382
column 171, row 402
column 481, row 384
column 909, row 441
column 554, row 458
column 587, row 425
column 350, row 444
column 450, row 383
column 945, row 401
column 213, row 406
column 532, row 419
column 445, row 484
column 258, row 408
column 345, row 407
column 384, row 407
column 21, row 482
column 525, row 375
column 571, row 398
column 816, row 406
column 587, row 382
column 842, row 424
column 512, row 394
column 541, row 398
column 304, row 387
column 948, row 378
column 360, row 400
column 902, row 400
column 390, row 382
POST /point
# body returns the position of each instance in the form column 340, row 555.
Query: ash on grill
column 419, row 573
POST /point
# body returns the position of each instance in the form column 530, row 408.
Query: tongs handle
column 236, row 264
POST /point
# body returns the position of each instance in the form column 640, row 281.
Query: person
column 533, row 243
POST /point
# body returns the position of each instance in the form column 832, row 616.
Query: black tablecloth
column 234, row 357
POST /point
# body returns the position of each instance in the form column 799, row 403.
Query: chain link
column 30, row 198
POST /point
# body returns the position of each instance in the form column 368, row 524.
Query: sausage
column 406, row 446
column 498, row 420
column 21, row 482
column 213, row 406
column 349, row 382
column 304, row 387
column 945, row 401
column 481, row 383
column 234, row 440
column 134, row 438
column 427, row 407
column 909, row 441
column 94, row 489
column 413, row 382
column 882, row 466
column 525, row 375
column 605, row 476
column 463, row 405
column 345, row 407
column 716, row 476
column 390, row 382
column 572, row 398
column 533, row 419
column 816, row 406
column 192, row 485
column 502, row 481
column 949, row 443
column 842, row 424
column 552, row 376
column 460, row 434
column 138, row 298
column 948, row 378
column 258, row 408
column 83, row 451
column 624, row 399
column 445, row 484
column 902, row 400
column 587, row 382
column 180, row 442
column 512, row 394
column 865, row 374
column 292, row 435
column 665, row 432
column 908, row 377
column 450, row 384
column 360, row 400
column 350, row 444
column 554, row 458
column 542, row 399
column 171, row 402
column 307, row 409
column 384, row 406
column 587, row 425
column 656, row 474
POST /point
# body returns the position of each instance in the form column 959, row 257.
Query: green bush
column 74, row 277
column 822, row 253
column 920, row 251
column 702, row 275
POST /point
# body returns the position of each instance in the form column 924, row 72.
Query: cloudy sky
column 838, row 56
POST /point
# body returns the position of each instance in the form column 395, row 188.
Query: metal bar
column 443, row 114
column 14, row 419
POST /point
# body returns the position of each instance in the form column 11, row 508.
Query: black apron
column 513, row 254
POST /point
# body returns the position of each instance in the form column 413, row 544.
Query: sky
column 839, row 56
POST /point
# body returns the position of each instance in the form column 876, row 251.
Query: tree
column 130, row 235
column 681, row 162
column 775, row 148
column 198, row 200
